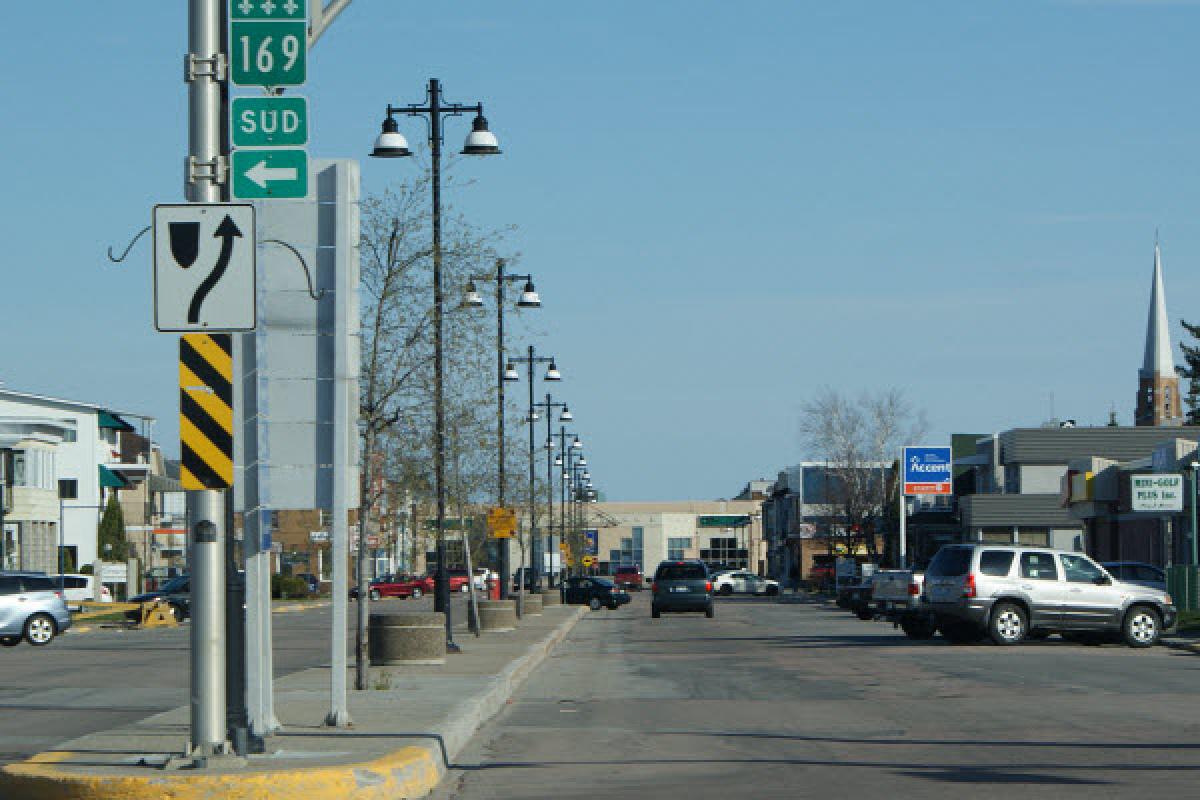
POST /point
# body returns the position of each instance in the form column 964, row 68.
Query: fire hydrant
column 493, row 586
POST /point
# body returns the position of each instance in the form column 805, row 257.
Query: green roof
column 107, row 419
column 110, row 479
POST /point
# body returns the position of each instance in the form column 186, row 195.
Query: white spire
column 1158, row 360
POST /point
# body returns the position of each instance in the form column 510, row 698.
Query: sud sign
column 927, row 470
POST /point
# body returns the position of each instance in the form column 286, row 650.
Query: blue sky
column 725, row 205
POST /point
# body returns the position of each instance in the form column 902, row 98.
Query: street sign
column 268, row 9
column 1158, row 492
column 927, row 470
column 268, row 52
column 261, row 174
column 588, row 561
column 204, row 267
column 114, row 573
column 501, row 522
column 318, row 537
column 269, row 121
column 206, row 411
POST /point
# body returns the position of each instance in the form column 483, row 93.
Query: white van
column 78, row 588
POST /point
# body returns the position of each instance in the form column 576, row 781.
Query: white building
column 48, row 444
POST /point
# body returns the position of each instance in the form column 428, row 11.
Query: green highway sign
column 268, row 9
column 268, row 53
column 269, row 121
column 278, row 173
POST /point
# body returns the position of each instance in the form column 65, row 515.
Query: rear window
column 996, row 562
column 626, row 571
column 602, row 582
column 681, row 572
column 9, row 585
column 950, row 562
column 38, row 583
column 1145, row 573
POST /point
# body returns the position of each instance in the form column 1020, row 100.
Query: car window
column 38, row 583
column 1078, row 569
column 950, row 562
column 1146, row 573
column 9, row 585
column 1117, row 572
column 1039, row 566
column 601, row 582
column 681, row 572
column 74, row 583
column 996, row 563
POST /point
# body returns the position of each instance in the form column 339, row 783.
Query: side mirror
column 1102, row 580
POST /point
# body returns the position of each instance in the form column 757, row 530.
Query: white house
column 47, row 444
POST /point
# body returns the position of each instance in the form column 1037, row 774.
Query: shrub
column 286, row 586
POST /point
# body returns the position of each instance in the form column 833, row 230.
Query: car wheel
column 918, row 628
column 1141, row 627
column 10, row 641
column 39, row 629
column 176, row 611
column 594, row 604
column 726, row 590
column 710, row 612
column 1008, row 624
column 417, row 593
column 772, row 590
column 864, row 613
column 654, row 612
column 375, row 595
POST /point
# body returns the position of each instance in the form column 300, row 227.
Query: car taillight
column 708, row 586
column 969, row 585
column 654, row 586
column 914, row 589
column 58, row 594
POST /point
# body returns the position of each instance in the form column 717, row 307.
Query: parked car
column 743, row 583
column 78, row 588
column 1013, row 592
column 681, row 586
column 31, row 608
column 396, row 586
column 1137, row 572
column 595, row 593
column 628, row 577
column 896, row 596
column 459, row 580
column 177, row 592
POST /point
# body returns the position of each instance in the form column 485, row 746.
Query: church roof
column 1158, row 359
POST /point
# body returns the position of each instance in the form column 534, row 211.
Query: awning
column 106, row 419
column 110, row 479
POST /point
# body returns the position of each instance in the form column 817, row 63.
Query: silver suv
column 1013, row 592
column 31, row 607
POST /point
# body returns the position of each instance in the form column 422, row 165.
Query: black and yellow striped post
column 206, row 410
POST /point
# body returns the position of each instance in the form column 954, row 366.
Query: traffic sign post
column 262, row 174
column 269, row 121
column 501, row 522
column 204, row 267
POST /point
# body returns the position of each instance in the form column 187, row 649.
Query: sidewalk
column 407, row 729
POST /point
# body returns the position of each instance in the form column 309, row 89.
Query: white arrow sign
column 261, row 174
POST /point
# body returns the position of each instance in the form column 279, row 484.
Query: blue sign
column 591, row 543
column 928, row 470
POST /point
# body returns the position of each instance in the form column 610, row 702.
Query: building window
column 723, row 551
column 677, row 547
column 630, row 554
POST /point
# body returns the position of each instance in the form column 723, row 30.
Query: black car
column 593, row 593
column 177, row 592
column 681, row 586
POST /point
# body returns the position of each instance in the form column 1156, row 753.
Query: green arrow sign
column 268, row 9
column 259, row 174
column 269, row 121
column 269, row 53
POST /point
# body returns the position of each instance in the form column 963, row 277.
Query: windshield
column 950, row 562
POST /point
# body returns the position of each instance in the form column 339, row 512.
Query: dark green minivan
column 681, row 586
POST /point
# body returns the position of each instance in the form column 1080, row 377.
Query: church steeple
column 1158, row 401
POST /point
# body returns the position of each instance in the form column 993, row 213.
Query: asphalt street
column 86, row 682
column 800, row 700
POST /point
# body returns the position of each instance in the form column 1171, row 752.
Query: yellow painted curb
column 406, row 773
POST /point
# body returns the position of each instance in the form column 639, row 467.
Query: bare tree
column 858, row 440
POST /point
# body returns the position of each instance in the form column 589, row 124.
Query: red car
column 628, row 578
column 397, row 586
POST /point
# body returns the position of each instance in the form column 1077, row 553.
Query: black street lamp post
column 535, row 543
column 529, row 299
column 391, row 144
column 549, row 405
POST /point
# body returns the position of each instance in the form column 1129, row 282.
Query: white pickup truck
column 896, row 597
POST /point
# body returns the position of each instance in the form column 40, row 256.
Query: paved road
column 87, row 682
column 772, row 700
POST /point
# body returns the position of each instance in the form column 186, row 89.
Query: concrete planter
column 533, row 605
column 551, row 597
column 497, row 616
column 407, row 637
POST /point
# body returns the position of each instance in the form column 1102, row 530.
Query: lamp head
column 550, row 444
column 567, row 416
column 558, row 461
column 582, row 461
column 472, row 300
column 552, row 373
column 391, row 143
column 510, row 373
column 529, row 297
column 480, row 141
column 577, row 445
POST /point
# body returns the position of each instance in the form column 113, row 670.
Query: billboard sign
column 591, row 542
column 928, row 470
column 1156, row 492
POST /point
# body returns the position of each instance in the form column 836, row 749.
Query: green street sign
column 260, row 174
column 268, row 9
column 269, row 121
column 269, row 53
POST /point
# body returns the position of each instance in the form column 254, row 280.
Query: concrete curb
column 410, row 772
